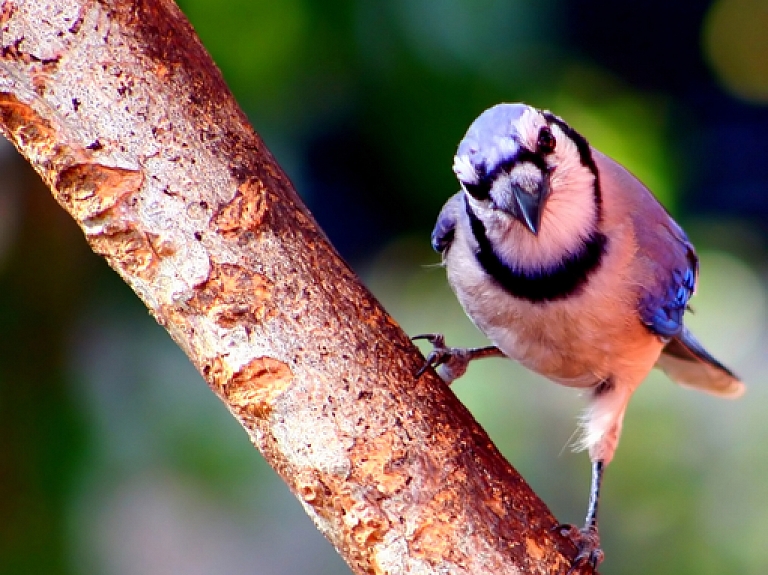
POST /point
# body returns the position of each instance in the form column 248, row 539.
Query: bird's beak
column 529, row 206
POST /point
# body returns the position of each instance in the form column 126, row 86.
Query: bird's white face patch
column 503, row 148
column 529, row 125
column 566, row 156
column 464, row 171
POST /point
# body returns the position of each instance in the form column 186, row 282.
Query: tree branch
column 123, row 114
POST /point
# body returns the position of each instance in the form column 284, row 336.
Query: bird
column 570, row 266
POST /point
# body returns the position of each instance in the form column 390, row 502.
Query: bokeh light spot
column 736, row 44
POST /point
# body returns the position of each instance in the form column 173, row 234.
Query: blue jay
column 570, row 266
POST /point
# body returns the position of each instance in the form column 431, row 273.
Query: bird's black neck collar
column 563, row 279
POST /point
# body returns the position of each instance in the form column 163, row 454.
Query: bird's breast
column 576, row 341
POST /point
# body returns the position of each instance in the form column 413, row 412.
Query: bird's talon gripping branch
column 439, row 354
column 587, row 542
column 451, row 362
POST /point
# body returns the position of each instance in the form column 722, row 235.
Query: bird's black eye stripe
column 525, row 155
column 480, row 190
column 585, row 152
column 546, row 142
column 581, row 142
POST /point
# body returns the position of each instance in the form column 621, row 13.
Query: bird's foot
column 587, row 541
column 451, row 362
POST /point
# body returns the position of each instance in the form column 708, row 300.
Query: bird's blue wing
column 666, row 266
column 445, row 227
column 674, row 270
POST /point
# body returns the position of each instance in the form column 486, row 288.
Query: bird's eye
column 479, row 191
column 546, row 142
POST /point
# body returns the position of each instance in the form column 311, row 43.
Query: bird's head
column 510, row 157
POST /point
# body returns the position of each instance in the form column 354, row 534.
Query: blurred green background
column 115, row 459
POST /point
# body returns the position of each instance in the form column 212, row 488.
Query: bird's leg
column 594, row 495
column 602, row 432
column 451, row 362
column 587, row 539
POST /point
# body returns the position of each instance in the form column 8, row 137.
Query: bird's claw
column 450, row 362
column 587, row 541
column 436, row 339
column 439, row 354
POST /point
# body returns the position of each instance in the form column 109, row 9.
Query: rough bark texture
column 123, row 114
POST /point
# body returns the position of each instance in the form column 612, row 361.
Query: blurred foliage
column 115, row 459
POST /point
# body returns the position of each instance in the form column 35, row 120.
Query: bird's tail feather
column 686, row 362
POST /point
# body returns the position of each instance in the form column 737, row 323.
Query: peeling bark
column 121, row 111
